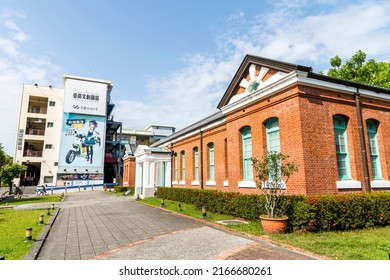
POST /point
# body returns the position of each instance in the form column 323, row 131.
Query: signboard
column 85, row 97
column 82, row 143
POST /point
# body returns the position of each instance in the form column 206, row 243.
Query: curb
column 35, row 250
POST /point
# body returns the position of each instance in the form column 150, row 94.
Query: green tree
column 359, row 70
column 8, row 169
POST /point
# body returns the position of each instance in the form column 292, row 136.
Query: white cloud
column 16, row 68
column 286, row 32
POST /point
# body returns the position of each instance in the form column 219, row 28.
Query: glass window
column 211, row 161
column 340, row 135
column 183, row 166
column 372, row 129
column 196, row 162
column 247, row 153
column 176, row 171
column 273, row 135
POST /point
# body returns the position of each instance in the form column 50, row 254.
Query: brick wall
column 305, row 117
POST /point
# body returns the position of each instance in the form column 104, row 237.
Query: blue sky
column 171, row 61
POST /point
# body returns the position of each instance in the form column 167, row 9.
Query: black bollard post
column 28, row 234
column 41, row 220
column 204, row 214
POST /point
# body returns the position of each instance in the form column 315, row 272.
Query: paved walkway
column 98, row 225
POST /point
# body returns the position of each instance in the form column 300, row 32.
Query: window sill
column 349, row 184
column 182, row 183
column 226, row 183
column 195, row 183
column 380, row 184
column 246, row 184
column 211, row 183
column 175, row 183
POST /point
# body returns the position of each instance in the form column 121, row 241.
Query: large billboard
column 84, row 126
column 82, row 144
column 85, row 97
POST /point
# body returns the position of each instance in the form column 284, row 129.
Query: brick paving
column 98, row 225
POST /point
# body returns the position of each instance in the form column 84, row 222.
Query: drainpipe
column 201, row 158
column 172, row 165
column 367, row 181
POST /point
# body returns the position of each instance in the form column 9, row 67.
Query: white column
column 138, row 179
column 145, row 176
column 149, row 187
column 168, row 179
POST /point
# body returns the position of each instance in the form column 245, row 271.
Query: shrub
column 326, row 212
column 124, row 189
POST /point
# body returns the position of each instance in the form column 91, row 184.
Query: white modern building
column 65, row 135
column 38, row 134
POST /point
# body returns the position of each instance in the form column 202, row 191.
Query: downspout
column 201, row 158
column 172, row 165
column 367, row 181
column 120, row 156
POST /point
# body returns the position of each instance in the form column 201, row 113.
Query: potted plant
column 272, row 174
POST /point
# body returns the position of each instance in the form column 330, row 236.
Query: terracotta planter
column 274, row 225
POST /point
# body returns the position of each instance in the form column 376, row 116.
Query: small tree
column 272, row 174
column 8, row 170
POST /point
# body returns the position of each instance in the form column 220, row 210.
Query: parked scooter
column 80, row 149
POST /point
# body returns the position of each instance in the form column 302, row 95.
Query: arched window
column 211, row 161
column 183, row 166
column 246, row 138
column 372, row 129
column 273, row 135
column 340, row 136
column 176, row 168
column 196, row 164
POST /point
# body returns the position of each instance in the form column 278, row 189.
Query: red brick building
column 337, row 131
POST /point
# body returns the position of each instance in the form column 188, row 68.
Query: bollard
column 204, row 214
column 51, row 191
column 162, row 202
column 179, row 207
column 41, row 219
column 48, row 211
column 28, row 234
column 52, row 206
column 79, row 188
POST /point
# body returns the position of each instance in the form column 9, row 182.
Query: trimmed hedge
column 322, row 212
column 124, row 189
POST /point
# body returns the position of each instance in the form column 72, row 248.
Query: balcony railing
column 37, row 110
column 34, row 131
column 30, row 153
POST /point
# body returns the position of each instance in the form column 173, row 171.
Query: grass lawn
column 367, row 244
column 33, row 199
column 364, row 244
column 13, row 224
